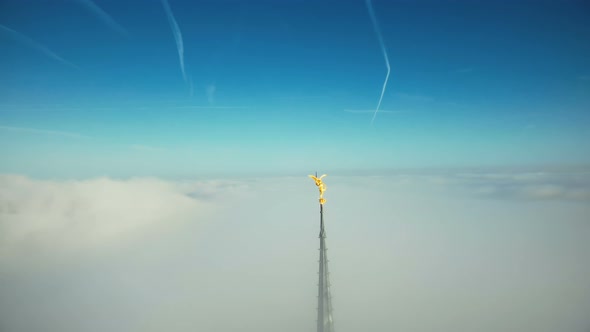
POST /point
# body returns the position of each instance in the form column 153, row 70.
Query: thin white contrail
column 103, row 16
column 191, row 87
column 370, row 111
column 177, row 37
column 142, row 147
column 382, row 44
column 34, row 45
column 209, row 107
column 42, row 131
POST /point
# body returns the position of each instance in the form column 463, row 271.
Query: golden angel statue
column 321, row 186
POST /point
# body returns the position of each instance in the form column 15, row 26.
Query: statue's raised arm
column 321, row 186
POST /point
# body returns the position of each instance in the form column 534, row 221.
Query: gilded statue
column 321, row 186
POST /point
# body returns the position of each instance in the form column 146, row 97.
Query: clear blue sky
column 96, row 88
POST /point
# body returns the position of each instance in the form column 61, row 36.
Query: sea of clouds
column 494, row 250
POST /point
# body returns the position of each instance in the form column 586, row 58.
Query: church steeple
column 324, row 316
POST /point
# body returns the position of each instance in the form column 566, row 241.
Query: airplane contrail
column 191, row 87
column 210, row 107
column 177, row 37
column 370, row 111
column 43, row 132
column 378, row 32
column 103, row 16
column 35, row 45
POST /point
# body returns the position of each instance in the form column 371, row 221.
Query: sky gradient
column 96, row 88
column 154, row 159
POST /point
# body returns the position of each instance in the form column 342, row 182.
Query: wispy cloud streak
column 42, row 132
column 177, row 37
column 148, row 148
column 209, row 107
column 19, row 37
column 371, row 111
column 382, row 44
column 211, row 94
column 191, row 87
column 104, row 17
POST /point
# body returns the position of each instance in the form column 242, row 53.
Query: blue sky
column 96, row 88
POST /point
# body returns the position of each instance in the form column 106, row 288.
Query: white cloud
column 84, row 215
column 415, row 251
column 573, row 185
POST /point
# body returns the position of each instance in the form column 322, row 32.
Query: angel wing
column 316, row 178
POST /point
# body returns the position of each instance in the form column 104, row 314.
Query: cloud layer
column 78, row 215
column 413, row 251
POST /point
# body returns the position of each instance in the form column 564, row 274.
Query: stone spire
column 324, row 320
